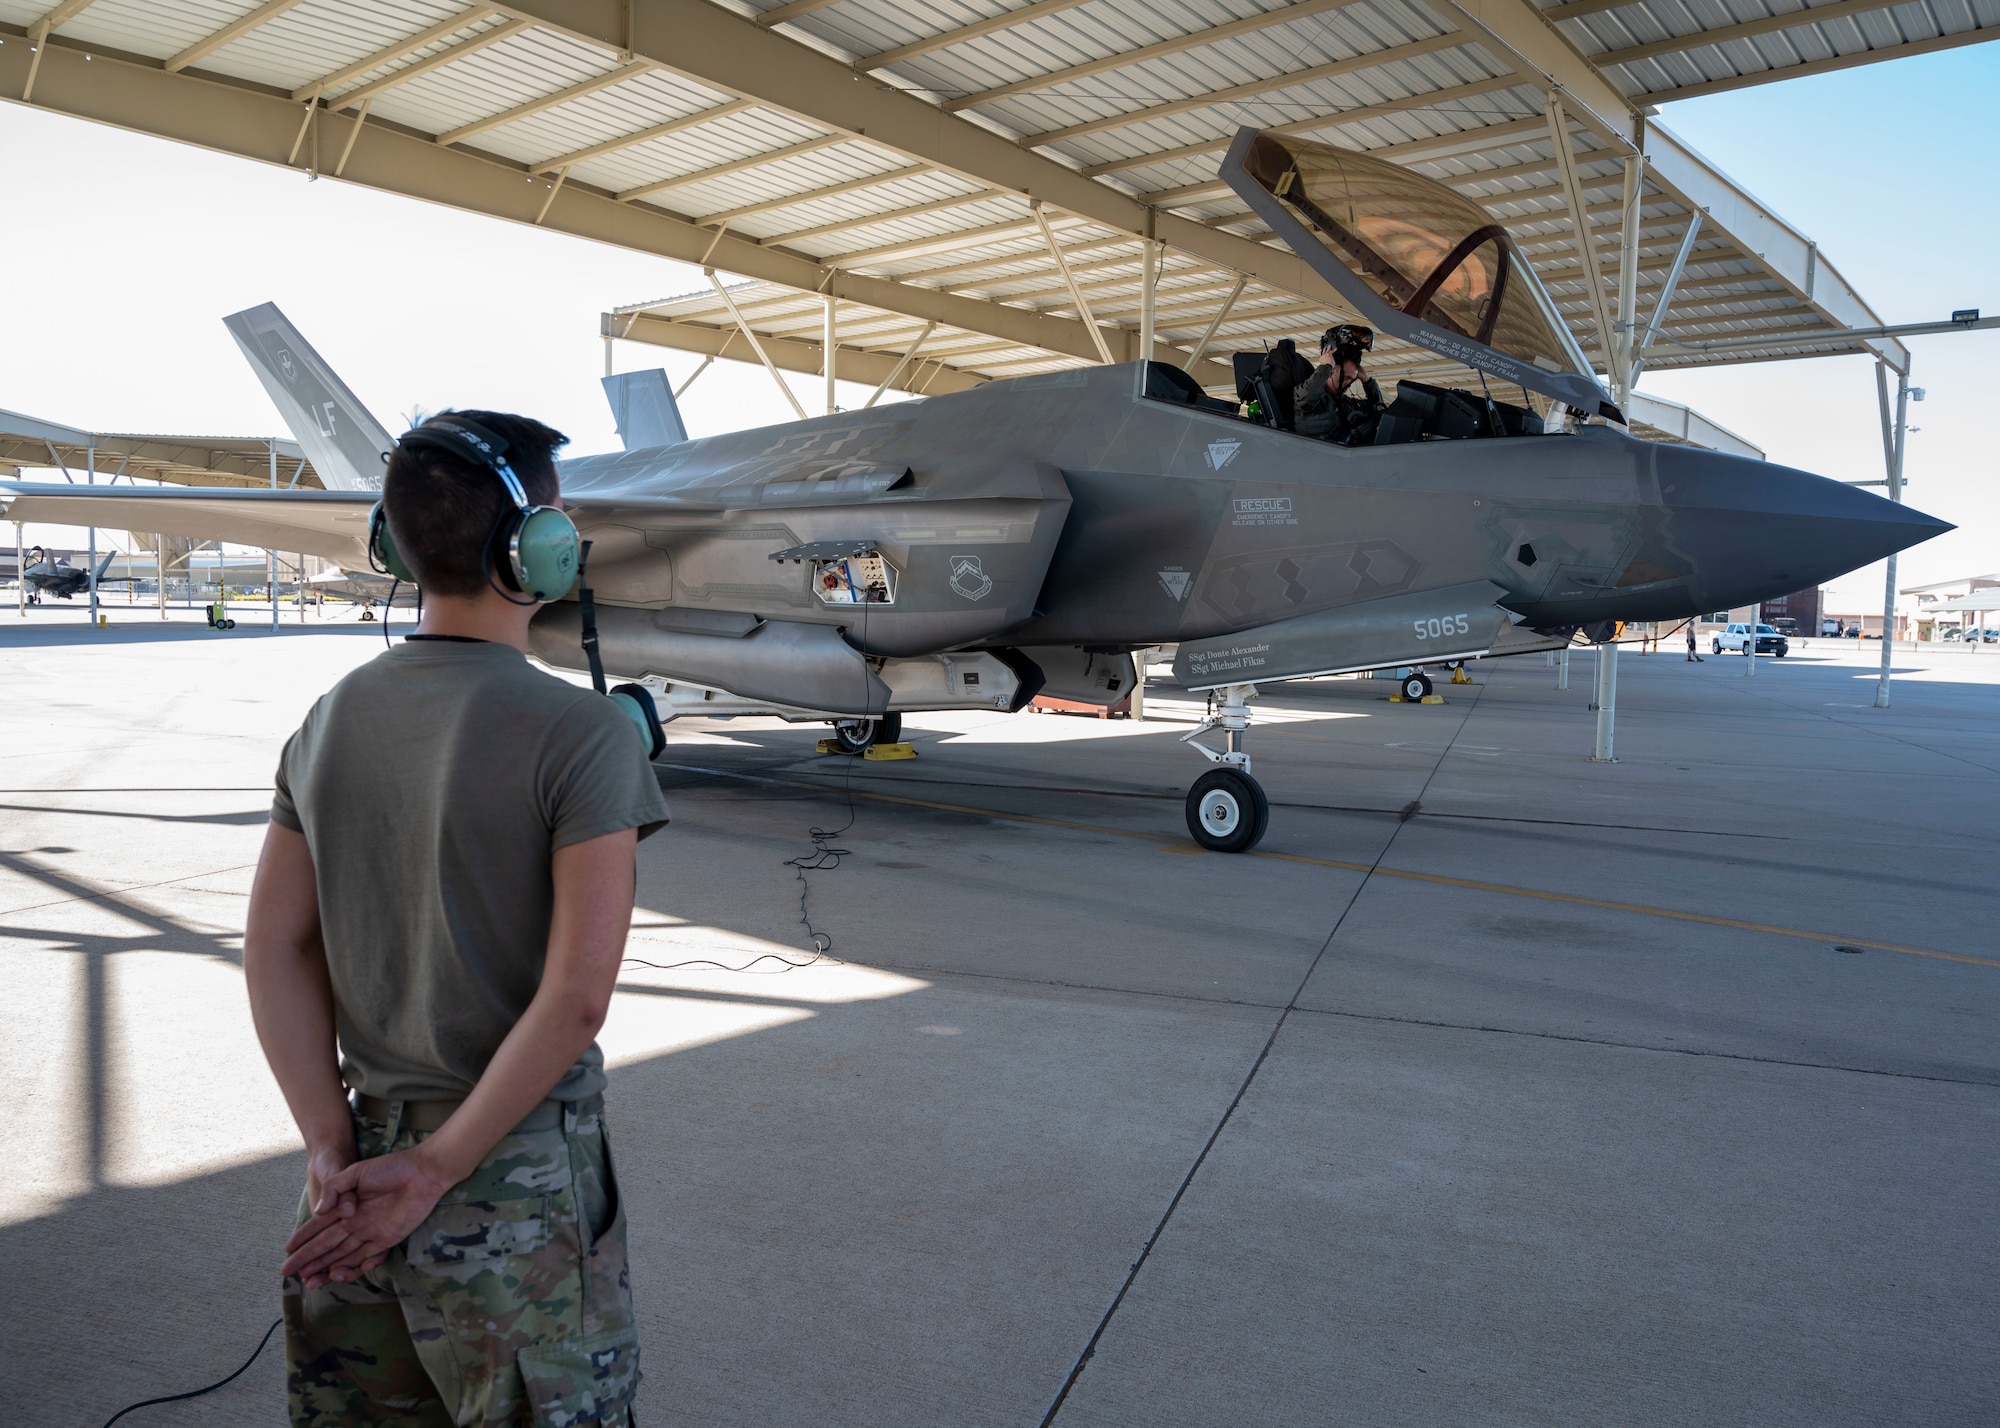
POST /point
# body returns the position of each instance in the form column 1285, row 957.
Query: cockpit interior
column 1430, row 268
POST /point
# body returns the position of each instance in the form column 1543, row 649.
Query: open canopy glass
column 1416, row 258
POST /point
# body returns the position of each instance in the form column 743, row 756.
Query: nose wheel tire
column 1416, row 686
column 1227, row 811
column 856, row 735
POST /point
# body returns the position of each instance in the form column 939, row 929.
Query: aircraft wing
column 333, row 524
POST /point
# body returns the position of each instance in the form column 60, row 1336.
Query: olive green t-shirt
column 433, row 785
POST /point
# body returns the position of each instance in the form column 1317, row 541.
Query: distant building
column 1956, row 605
column 1801, row 606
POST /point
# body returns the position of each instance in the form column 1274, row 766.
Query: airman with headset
column 434, row 932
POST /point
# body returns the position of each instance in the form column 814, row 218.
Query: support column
column 1607, row 701
column 1138, row 702
column 1892, row 447
column 1562, row 676
column 1625, row 346
column 160, row 565
column 20, row 575
column 271, row 556
column 1750, row 648
column 92, row 480
column 829, row 340
column 1149, row 260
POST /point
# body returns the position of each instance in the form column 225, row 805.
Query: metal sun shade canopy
column 1007, row 182
column 27, row 441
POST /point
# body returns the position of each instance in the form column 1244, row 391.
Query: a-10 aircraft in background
column 973, row 550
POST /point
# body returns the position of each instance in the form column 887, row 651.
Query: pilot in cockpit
column 1325, row 408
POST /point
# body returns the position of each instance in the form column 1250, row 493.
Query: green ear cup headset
column 545, row 555
column 541, row 542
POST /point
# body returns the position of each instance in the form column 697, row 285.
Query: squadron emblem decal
column 1176, row 582
column 968, row 579
column 1221, row 453
column 285, row 365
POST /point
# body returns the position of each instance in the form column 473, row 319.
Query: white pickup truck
column 1770, row 641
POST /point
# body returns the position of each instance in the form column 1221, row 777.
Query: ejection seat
column 1270, row 380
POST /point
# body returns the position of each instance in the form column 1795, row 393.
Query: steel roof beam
column 416, row 69
column 1518, row 35
column 797, row 9
column 812, row 195
column 734, row 166
column 38, row 34
column 235, row 30
column 254, row 123
column 1749, row 29
column 390, row 53
column 917, row 210
column 1826, row 66
column 786, row 354
column 1034, row 256
column 582, row 88
column 714, row 47
column 644, row 136
column 940, row 242
column 1317, row 124
column 1194, row 40
column 1233, row 93
column 945, row 39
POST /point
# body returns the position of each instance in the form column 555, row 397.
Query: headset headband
column 470, row 442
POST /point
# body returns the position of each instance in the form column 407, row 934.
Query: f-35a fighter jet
column 54, row 575
column 973, row 550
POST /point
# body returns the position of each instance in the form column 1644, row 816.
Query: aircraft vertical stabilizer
column 344, row 443
column 643, row 405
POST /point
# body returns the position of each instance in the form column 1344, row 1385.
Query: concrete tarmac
column 1497, row 1087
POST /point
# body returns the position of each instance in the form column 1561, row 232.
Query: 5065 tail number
column 1438, row 627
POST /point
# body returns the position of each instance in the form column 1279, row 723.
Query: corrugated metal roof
column 1141, row 95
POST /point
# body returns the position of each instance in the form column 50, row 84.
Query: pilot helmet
column 1348, row 340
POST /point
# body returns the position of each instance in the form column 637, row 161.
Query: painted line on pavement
column 1170, row 843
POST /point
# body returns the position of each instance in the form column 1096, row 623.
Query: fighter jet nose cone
column 1755, row 530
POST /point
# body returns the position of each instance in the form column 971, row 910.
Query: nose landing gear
column 1226, row 809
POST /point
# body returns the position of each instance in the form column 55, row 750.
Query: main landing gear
column 1226, row 809
column 857, row 736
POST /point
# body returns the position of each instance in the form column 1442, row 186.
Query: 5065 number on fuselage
column 1439, row 626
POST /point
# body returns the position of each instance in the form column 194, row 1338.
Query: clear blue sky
column 125, row 251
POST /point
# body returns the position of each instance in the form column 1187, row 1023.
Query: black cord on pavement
column 197, row 1393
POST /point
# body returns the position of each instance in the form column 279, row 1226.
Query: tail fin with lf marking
column 344, row 443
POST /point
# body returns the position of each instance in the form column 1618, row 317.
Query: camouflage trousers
column 511, row 1304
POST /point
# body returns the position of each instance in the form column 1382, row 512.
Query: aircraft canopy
column 1422, row 251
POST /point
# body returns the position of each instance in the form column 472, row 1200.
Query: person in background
column 1691, row 654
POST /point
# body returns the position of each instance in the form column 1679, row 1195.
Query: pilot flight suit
column 1342, row 419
